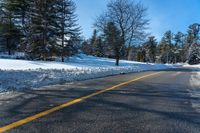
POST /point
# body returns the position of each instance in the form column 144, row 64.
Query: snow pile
column 22, row 74
column 192, row 66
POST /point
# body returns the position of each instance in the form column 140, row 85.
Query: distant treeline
column 172, row 48
column 43, row 29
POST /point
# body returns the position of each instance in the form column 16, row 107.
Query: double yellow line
column 44, row 113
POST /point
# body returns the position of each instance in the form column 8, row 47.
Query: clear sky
column 175, row 15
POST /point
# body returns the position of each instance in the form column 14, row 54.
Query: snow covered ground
column 16, row 55
column 22, row 74
column 192, row 66
column 195, row 83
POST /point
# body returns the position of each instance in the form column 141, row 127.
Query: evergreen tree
column 151, row 45
column 194, row 54
column 193, row 44
column 99, row 47
column 166, row 47
column 52, row 29
column 9, row 38
column 141, row 54
column 41, row 29
column 86, row 47
column 112, row 36
column 68, row 29
column 19, row 10
column 194, row 29
column 94, row 42
column 9, row 32
column 179, row 40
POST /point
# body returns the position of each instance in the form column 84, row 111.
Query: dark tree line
column 172, row 48
column 44, row 29
column 181, row 47
column 40, row 28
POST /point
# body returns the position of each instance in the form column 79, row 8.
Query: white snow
column 195, row 84
column 22, row 74
column 192, row 66
column 16, row 55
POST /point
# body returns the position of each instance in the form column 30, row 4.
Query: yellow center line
column 59, row 107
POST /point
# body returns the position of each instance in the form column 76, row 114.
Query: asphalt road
column 159, row 103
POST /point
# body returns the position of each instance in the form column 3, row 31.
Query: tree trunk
column 63, row 31
column 117, row 59
column 117, row 62
column 62, row 58
column 8, row 46
column 9, row 52
column 62, row 53
column 167, row 58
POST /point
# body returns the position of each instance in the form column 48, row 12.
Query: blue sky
column 175, row 15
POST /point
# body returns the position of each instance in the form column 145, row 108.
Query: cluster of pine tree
column 172, row 48
column 180, row 47
column 40, row 28
column 44, row 29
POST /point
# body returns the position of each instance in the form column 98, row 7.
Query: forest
column 49, row 29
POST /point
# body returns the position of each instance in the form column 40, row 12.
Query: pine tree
column 192, row 43
column 151, row 45
column 40, row 29
column 86, row 47
column 9, row 31
column 68, row 29
column 100, row 47
column 141, row 54
column 94, row 42
column 194, row 54
column 19, row 11
column 179, row 40
column 112, row 36
column 166, row 47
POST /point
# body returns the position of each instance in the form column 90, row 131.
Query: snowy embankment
column 22, row 74
column 195, row 83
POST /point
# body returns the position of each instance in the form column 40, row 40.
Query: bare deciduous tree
column 129, row 17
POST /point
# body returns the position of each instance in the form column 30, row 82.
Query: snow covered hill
column 22, row 74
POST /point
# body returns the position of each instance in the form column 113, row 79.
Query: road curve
column 157, row 103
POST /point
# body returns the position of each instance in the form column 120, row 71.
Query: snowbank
column 22, row 74
column 192, row 66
